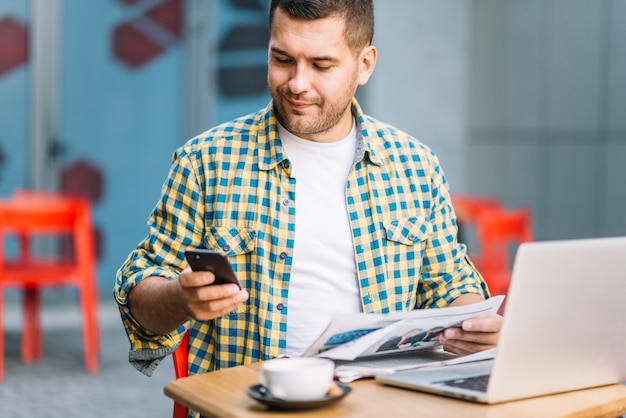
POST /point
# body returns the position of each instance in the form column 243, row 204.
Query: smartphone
column 213, row 261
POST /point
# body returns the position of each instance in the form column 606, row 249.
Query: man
column 319, row 207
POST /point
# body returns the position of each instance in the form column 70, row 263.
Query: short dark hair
column 358, row 15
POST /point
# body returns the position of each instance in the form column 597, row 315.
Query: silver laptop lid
column 564, row 326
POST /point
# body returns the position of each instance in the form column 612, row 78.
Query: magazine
column 368, row 344
column 349, row 370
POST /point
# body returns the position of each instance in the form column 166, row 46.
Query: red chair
column 468, row 209
column 499, row 232
column 30, row 214
column 181, row 370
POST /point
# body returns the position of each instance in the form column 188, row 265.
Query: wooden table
column 222, row 394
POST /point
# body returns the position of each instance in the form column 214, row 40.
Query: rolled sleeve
column 146, row 348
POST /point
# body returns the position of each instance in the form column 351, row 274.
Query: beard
column 321, row 117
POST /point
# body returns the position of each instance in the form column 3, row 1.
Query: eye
column 322, row 67
column 281, row 59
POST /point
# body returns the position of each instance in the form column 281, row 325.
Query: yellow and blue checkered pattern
column 230, row 189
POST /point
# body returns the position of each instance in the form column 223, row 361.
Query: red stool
column 499, row 232
column 181, row 369
column 32, row 214
column 469, row 209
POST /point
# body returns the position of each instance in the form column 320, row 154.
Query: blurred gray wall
column 522, row 99
column 421, row 81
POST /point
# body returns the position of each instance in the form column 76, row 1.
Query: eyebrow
column 321, row 58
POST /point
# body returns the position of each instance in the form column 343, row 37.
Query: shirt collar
column 271, row 152
column 370, row 144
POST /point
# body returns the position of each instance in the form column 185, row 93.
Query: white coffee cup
column 297, row 379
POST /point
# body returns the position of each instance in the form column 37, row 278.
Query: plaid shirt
column 230, row 189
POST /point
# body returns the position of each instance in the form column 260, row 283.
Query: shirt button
column 280, row 306
column 286, row 202
column 411, row 237
column 286, row 164
column 226, row 248
column 283, row 255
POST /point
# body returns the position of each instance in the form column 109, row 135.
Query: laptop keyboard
column 477, row 383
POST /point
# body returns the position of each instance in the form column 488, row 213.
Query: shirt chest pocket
column 238, row 243
column 404, row 254
column 233, row 241
column 408, row 231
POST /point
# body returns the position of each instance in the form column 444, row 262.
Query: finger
column 469, row 343
column 487, row 324
column 483, row 338
column 217, row 291
column 196, row 278
column 213, row 308
column 463, row 347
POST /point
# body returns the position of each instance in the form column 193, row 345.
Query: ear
column 366, row 62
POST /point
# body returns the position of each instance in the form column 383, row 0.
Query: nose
column 299, row 81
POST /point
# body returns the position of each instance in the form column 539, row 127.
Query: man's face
column 312, row 76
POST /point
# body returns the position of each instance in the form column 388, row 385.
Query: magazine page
column 348, row 371
column 349, row 336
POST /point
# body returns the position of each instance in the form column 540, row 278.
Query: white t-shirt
column 323, row 275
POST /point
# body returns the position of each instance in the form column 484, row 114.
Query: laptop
column 563, row 328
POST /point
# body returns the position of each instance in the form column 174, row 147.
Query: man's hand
column 474, row 335
column 162, row 305
column 203, row 301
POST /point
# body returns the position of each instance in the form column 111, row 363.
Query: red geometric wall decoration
column 140, row 40
column 13, row 44
column 133, row 47
column 81, row 178
column 169, row 15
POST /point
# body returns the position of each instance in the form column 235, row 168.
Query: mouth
column 298, row 105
